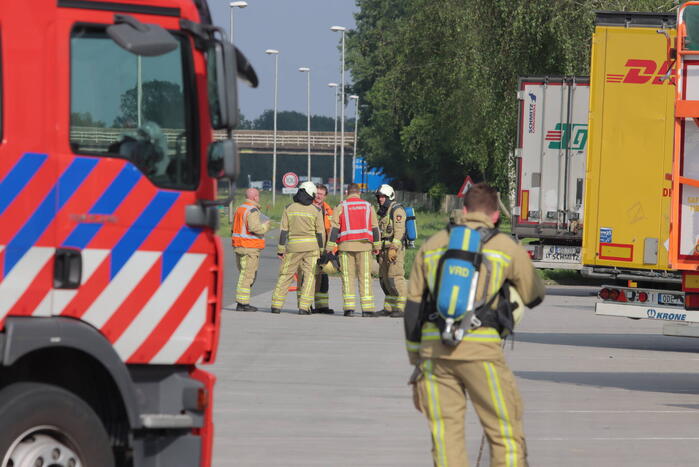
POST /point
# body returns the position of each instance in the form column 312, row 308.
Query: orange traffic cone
column 294, row 288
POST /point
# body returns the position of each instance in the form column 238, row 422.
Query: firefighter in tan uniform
column 355, row 233
column 392, row 257
column 247, row 236
column 300, row 241
column 446, row 376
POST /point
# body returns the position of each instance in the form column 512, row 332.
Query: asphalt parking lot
column 331, row 391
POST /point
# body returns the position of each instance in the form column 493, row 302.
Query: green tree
column 439, row 78
column 85, row 119
column 297, row 121
column 162, row 102
column 244, row 124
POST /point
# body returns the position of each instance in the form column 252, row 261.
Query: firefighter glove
column 392, row 255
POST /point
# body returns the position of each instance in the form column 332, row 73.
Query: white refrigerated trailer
column 550, row 168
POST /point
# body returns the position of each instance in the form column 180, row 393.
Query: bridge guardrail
column 99, row 136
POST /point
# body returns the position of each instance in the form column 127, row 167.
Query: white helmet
column 387, row 191
column 308, row 187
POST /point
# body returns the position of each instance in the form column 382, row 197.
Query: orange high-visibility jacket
column 240, row 235
column 328, row 212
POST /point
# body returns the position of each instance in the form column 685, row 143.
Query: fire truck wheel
column 44, row 425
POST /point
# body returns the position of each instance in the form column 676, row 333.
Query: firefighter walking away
column 454, row 360
column 355, row 233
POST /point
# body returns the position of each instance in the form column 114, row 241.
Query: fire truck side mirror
column 245, row 70
column 225, row 64
column 148, row 40
column 223, row 160
column 223, row 88
column 199, row 215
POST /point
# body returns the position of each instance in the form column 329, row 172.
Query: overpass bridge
column 248, row 141
column 289, row 142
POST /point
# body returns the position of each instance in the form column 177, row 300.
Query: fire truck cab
column 110, row 267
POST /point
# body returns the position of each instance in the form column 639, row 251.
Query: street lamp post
column 342, row 30
column 355, row 98
column 334, row 85
column 307, row 70
column 275, row 53
column 233, row 5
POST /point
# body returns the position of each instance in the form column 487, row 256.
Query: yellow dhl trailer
column 629, row 168
column 629, row 158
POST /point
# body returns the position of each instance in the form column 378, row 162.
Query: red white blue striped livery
column 110, row 267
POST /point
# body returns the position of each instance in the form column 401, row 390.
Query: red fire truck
column 110, row 268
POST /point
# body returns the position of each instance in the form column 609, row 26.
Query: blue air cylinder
column 458, row 276
column 410, row 225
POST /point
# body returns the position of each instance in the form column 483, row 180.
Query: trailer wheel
column 44, row 425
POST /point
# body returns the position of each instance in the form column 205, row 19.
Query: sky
column 300, row 30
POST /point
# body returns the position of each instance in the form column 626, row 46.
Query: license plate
column 670, row 299
column 562, row 253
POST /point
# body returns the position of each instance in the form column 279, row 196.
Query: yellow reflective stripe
column 452, row 300
column 412, row 346
column 367, row 274
column 431, row 259
column 430, row 332
column 348, row 297
column 466, row 239
column 506, row 430
column 500, row 261
column 302, row 214
column 240, row 292
column 345, row 274
column 435, row 251
column 435, row 414
column 499, row 254
column 301, row 240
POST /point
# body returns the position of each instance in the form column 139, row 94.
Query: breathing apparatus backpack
column 457, row 308
column 410, row 225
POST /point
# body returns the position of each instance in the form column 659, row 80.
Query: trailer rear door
column 552, row 147
column 630, row 157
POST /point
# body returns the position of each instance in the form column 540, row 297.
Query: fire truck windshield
column 134, row 107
